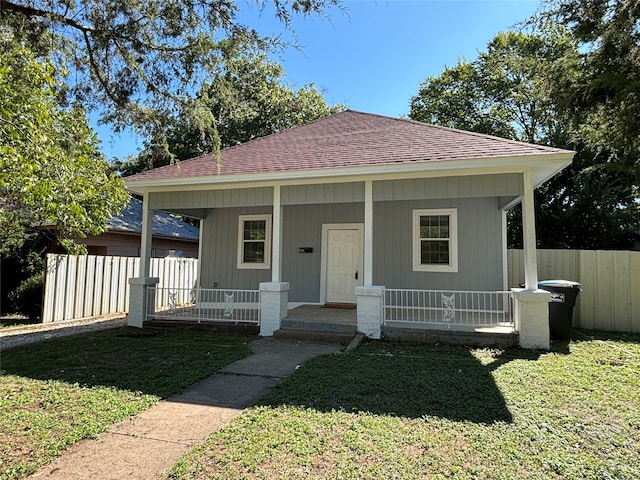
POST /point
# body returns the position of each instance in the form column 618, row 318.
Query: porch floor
column 321, row 314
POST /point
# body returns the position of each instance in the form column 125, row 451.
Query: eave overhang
column 542, row 167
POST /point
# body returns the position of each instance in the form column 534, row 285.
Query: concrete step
column 327, row 326
column 314, row 335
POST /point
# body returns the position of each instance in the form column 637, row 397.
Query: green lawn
column 54, row 393
column 396, row 411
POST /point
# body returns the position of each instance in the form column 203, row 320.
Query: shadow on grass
column 152, row 361
column 582, row 335
column 402, row 380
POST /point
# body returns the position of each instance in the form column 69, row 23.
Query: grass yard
column 54, row 393
column 396, row 411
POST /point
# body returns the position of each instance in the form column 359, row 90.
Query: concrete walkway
column 147, row 446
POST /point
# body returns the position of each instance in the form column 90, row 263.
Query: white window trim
column 453, row 240
column 267, row 242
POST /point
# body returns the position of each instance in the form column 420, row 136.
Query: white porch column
column 369, row 297
column 370, row 314
column 529, row 234
column 142, row 300
column 274, row 297
column 531, row 305
column 531, row 317
column 146, row 236
column 140, row 296
column 368, row 233
column 276, row 257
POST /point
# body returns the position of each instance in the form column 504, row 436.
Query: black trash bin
column 563, row 299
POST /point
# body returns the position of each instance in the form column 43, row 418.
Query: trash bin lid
column 559, row 283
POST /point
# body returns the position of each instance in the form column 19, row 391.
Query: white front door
column 343, row 247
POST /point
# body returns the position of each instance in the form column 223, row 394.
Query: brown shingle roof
column 348, row 139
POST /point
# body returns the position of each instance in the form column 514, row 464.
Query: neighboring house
column 351, row 205
column 171, row 236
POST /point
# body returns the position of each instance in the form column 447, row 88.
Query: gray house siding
column 307, row 207
column 469, row 186
column 219, row 261
column 202, row 199
column 324, row 193
column 302, row 227
column 479, row 246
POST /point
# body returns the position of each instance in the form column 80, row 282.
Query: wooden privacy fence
column 79, row 286
column 610, row 297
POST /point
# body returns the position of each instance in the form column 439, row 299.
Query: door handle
column 356, row 274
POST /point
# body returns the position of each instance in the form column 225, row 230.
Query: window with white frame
column 254, row 241
column 435, row 240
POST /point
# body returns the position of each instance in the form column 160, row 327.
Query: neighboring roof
column 348, row 139
column 164, row 225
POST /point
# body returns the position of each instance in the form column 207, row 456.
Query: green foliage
column 246, row 98
column 508, row 91
column 27, row 298
column 60, row 391
column 601, row 87
column 51, row 169
column 138, row 61
column 502, row 92
column 414, row 412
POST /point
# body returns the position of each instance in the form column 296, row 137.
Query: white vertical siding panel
column 634, row 288
column 123, row 279
column 81, row 272
column 112, row 303
column 50, row 289
column 89, row 285
column 620, row 290
column 107, row 286
column 604, row 261
column 61, row 285
column 98, row 286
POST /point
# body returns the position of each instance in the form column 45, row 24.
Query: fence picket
column 80, row 286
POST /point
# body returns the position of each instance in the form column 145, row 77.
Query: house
column 171, row 236
column 389, row 214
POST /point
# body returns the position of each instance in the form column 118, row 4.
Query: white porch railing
column 446, row 308
column 198, row 305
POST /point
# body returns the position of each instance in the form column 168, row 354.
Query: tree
column 600, row 87
column 137, row 60
column 506, row 92
column 247, row 97
column 51, row 168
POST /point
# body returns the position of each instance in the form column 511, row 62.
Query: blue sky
column 374, row 58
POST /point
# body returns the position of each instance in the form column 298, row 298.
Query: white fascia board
column 543, row 167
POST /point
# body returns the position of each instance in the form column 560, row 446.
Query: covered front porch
column 379, row 308
column 428, row 316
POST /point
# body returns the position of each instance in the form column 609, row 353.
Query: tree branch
column 36, row 12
